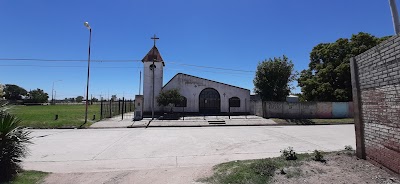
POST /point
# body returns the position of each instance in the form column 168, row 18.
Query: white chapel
column 202, row 96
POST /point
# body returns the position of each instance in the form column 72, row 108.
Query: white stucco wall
column 148, row 84
column 190, row 87
column 138, row 107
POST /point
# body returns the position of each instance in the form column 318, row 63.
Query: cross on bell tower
column 155, row 39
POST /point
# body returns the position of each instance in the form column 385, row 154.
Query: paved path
column 99, row 150
column 192, row 121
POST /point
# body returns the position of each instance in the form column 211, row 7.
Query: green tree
column 79, row 99
column 273, row 78
column 13, row 146
column 14, row 92
column 94, row 99
column 328, row 77
column 169, row 97
column 1, row 90
column 37, row 96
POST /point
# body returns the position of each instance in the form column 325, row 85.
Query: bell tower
column 153, row 65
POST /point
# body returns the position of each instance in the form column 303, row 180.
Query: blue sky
column 233, row 34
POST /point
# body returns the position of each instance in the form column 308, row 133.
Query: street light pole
column 88, row 71
column 395, row 16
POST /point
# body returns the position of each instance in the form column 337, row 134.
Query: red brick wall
column 379, row 86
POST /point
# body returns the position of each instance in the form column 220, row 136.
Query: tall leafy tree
column 79, row 99
column 273, row 78
column 37, row 96
column 328, row 77
column 14, row 92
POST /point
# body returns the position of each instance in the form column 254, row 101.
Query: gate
column 209, row 101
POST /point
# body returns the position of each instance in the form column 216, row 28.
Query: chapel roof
column 203, row 79
column 153, row 54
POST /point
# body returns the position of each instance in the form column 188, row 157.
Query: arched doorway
column 209, row 101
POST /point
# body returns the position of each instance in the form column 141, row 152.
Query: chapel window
column 234, row 102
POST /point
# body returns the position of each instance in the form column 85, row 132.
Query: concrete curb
column 217, row 125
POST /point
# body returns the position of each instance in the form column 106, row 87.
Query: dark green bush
column 289, row 154
column 318, row 156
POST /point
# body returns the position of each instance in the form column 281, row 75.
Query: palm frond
column 13, row 146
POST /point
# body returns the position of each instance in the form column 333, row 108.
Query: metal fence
column 111, row 108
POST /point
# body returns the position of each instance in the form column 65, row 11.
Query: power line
column 123, row 60
column 210, row 67
column 48, row 66
column 229, row 73
column 68, row 60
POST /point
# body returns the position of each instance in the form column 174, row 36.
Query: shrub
column 13, row 146
column 318, row 156
column 289, row 154
column 348, row 148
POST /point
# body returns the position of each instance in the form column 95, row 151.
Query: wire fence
column 112, row 108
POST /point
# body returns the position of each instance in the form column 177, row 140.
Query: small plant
column 348, row 148
column 289, row 154
column 318, row 156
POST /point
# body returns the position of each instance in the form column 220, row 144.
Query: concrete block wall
column 303, row 109
column 376, row 96
column 256, row 108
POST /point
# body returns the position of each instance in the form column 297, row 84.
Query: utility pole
column 152, row 102
column 140, row 80
column 52, row 92
column 395, row 16
column 153, row 68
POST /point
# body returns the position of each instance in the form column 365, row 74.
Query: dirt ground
column 339, row 168
column 180, row 175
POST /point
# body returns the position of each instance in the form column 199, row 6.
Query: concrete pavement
column 191, row 121
column 98, row 150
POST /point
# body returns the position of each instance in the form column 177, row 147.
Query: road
column 122, row 149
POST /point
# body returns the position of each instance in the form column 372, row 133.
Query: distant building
column 292, row 98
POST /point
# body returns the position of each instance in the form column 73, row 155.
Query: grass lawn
column 29, row 177
column 44, row 116
column 314, row 121
column 258, row 171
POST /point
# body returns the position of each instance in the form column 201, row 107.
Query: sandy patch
column 181, row 175
column 339, row 168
